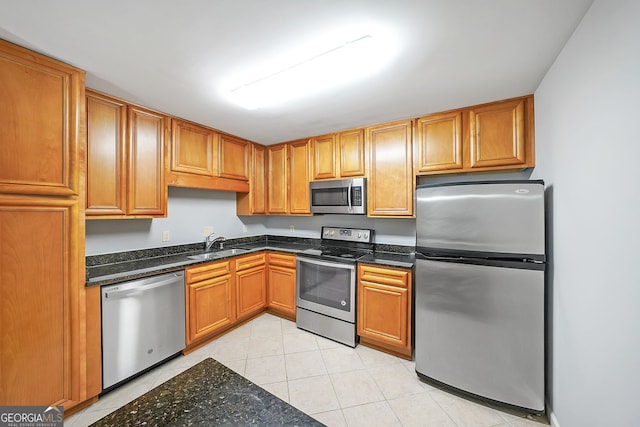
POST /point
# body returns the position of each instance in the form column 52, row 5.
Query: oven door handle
column 327, row 263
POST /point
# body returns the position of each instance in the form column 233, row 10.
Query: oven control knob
column 343, row 303
column 366, row 236
column 359, row 235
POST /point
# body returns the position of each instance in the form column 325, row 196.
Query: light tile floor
column 337, row 385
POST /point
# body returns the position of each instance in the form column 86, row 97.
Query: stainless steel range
column 326, row 283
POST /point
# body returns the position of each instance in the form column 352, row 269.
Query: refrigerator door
column 499, row 217
column 480, row 329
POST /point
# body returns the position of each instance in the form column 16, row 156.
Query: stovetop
column 344, row 244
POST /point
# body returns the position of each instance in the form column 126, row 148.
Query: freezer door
column 481, row 329
column 505, row 217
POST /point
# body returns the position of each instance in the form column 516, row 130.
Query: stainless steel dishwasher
column 143, row 323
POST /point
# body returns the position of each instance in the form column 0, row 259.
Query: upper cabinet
column 277, row 180
column 194, row 149
column 493, row 136
column 254, row 202
column 391, row 178
column 147, row 191
column 40, row 109
column 299, row 170
column 439, row 140
column 234, row 158
column 201, row 157
column 288, row 172
column 501, row 134
column 125, row 159
column 338, row 155
column 106, row 155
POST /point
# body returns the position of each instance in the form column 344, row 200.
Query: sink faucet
column 209, row 242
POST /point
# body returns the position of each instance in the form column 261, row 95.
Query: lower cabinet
column 210, row 299
column 384, row 308
column 251, row 279
column 281, row 283
column 222, row 293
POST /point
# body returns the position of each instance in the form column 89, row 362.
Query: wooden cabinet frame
column 384, row 308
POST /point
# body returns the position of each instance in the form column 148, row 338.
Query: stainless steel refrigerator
column 480, row 289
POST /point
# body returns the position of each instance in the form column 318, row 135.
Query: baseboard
column 552, row 417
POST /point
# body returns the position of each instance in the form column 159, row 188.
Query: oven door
column 326, row 287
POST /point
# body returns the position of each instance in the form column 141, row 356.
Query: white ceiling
column 174, row 56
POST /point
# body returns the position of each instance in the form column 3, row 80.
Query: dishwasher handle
column 137, row 290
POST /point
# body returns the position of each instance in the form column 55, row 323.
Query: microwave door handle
column 349, row 196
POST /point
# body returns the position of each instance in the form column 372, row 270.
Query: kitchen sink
column 218, row 254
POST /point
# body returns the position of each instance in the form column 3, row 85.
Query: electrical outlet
column 244, row 228
column 292, row 228
column 165, row 236
column 208, row 230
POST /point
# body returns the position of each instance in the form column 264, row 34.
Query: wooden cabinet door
column 194, row 149
column 234, row 158
column 41, row 111
column 281, row 295
column 42, row 302
column 351, row 153
column 277, row 179
column 254, row 202
column 384, row 307
column 324, row 156
column 147, row 192
column 106, row 156
column 299, row 197
column 281, row 283
column 497, row 134
column 251, row 291
column 439, row 139
column 210, row 307
column 258, row 189
column 391, row 180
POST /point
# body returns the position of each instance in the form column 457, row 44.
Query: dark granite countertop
column 390, row 259
column 207, row 394
column 121, row 267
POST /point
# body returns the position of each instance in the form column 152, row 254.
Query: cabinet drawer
column 248, row 261
column 384, row 275
column 283, row 260
column 207, row 271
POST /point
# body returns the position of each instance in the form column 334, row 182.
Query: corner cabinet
column 495, row 136
column 391, row 179
column 500, row 134
column 46, row 347
column 125, row 159
column 254, row 202
column 281, row 284
column 384, row 308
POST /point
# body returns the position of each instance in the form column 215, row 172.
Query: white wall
column 190, row 211
column 587, row 142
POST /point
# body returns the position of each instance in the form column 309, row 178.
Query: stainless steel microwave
column 340, row 196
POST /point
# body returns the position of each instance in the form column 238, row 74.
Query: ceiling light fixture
column 335, row 65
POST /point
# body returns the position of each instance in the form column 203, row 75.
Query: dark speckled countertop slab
column 207, row 394
column 125, row 266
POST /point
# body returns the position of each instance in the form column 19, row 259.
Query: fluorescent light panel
column 352, row 59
